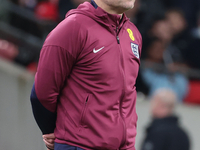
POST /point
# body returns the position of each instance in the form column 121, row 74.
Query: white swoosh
column 96, row 51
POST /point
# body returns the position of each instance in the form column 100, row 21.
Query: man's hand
column 49, row 140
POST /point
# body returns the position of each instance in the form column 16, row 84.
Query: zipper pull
column 118, row 39
column 117, row 35
column 86, row 100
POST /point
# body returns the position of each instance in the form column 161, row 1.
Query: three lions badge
column 134, row 47
column 135, row 50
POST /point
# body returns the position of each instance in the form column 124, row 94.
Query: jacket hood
column 99, row 15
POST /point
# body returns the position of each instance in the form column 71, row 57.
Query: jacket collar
column 94, row 4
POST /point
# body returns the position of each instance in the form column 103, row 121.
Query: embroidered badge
column 131, row 34
column 135, row 50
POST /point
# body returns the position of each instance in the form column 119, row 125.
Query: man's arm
column 44, row 118
column 54, row 66
column 57, row 58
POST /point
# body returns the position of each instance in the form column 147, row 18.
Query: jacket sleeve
column 54, row 67
column 56, row 61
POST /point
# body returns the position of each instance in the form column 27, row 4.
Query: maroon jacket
column 87, row 72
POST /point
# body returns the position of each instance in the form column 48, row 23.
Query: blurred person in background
column 165, row 132
column 156, row 78
column 177, row 21
column 193, row 60
column 181, row 38
column 193, row 54
column 157, row 8
column 149, row 11
column 190, row 8
column 160, row 29
column 170, row 28
column 84, row 95
column 166, row 43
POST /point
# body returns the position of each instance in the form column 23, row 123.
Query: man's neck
column 107, row 8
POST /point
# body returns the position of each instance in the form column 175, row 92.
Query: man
column 164, row 133
column 84, row 91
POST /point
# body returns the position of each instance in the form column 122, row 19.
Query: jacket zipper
column 123, row 92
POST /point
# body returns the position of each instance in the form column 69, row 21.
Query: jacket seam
column 61, row 48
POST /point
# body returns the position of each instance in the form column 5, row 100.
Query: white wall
column 18, row 130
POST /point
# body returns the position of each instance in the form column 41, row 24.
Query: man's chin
column 130, row 6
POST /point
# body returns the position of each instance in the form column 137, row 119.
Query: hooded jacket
column 84, row 87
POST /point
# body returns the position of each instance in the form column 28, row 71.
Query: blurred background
column 170, row 59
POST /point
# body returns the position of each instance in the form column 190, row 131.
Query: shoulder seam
column 61, row 48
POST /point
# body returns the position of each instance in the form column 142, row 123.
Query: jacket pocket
column 84, row 112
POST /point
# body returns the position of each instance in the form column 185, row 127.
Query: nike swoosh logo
column 96, row 51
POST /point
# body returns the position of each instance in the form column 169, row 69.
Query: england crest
column 135, row 50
